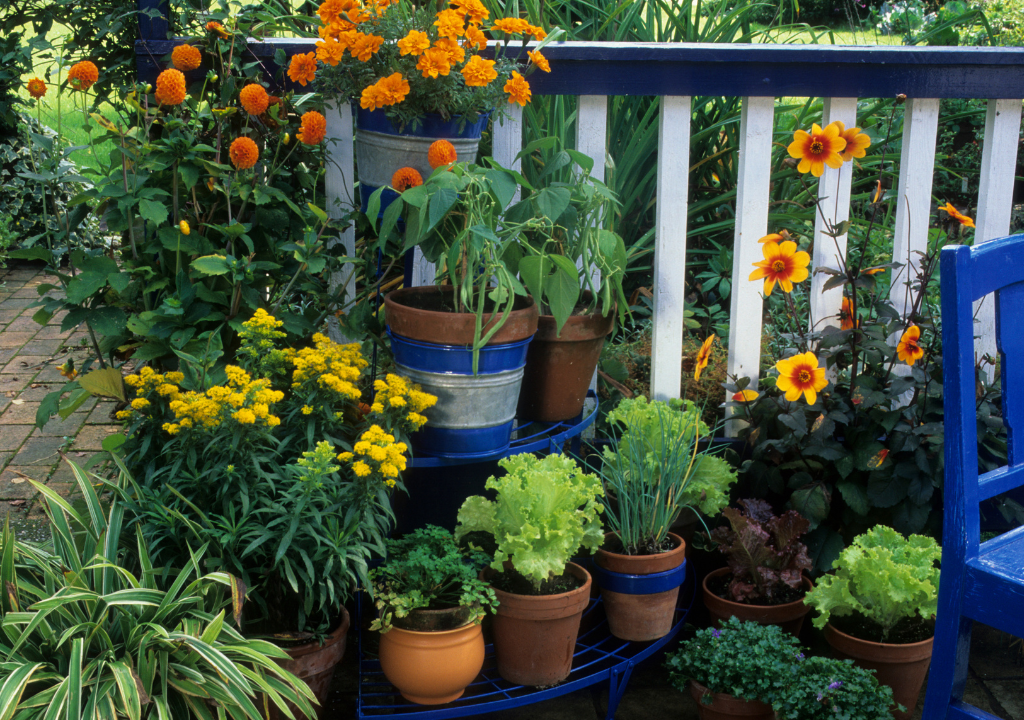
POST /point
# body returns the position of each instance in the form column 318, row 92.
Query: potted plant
column 823, row 689
column 878, row 608
column 544, row 511
column 416, row 74
column 430, row 602
column 573, row 267
column 732, row 672
column 646, row 474
column 466, row 341
column 764, row 580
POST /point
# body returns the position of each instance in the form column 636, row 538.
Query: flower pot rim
column 432, row 633
column 310, row 646
column 829, row 627
column 488, row 573
column 704, row 690
column 680, row 543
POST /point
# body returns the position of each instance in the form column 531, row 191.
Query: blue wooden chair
column 981, row 582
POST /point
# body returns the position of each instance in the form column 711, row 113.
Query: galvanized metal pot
column 381, row 149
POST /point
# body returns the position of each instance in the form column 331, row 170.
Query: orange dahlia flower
column 170, row 87
column 36, row 87
column 186, row 58
column 254, row 99
column 314, row 128
column 782, row 264
column 856, row 142
column 215, row 27
column 405, row 178
column 703, row 355
column 414, row 43
column 518, row 89
column 745, row 396
column 302, row 68
column 800, row 375
column 781, row 236
column 956, row 214
column 846, row 314
column 817, row 148
column 83, row 75
column 539, row 60
column 909, row 349
column 243, row 153
column 441, row 152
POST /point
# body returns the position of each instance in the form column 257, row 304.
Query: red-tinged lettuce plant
column 763, row 550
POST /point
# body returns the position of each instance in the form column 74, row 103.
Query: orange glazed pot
column 790, row 616
column 901, row 667
column 435, row 667
column 724, row 707
column 315, row 663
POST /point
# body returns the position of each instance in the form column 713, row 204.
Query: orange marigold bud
column 302, row 68
column 441, row 152
column 539, row 60
column 314, row 127
column 82, row 75
column 186, row 58
column 170, row 87
column 36, row 87
column 254, row 99
column 244, row 153
column 405, row 178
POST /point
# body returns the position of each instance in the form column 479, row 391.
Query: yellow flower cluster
column 146, row 382
column 331, row 366
column 243, row 399
column 378, row 453
column 259, row 335
column 397, row 392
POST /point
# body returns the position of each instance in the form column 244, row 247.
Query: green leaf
column 106, row 382
column 440, row 203
column 212, row 265
column 155, row 212
column 502, row 185
column 562, row 290
column 813, row 502
column 552, row 202
column 85, row 285
column 112, row 442
column 855, row 496
column 318, row 212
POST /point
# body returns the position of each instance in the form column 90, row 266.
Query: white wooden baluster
column 834, row 191
column 995, row 201
column 914, row 199
column 339, row 181
column 754, row 175
column 670, row 247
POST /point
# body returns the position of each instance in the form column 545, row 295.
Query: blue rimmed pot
column 381, row 149
column 640, row 593
column 433, row 346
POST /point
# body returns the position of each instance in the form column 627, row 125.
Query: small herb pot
column 725, row 707
column 788, row 616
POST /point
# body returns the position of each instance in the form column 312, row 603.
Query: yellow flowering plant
column 278, row 465
column 414, row 60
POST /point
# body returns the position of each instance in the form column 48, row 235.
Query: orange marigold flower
column 302, row 68
column 909, row 349
column 314, row 128
column 389, row 90
column 170, row 87
column 414, row 43
column 746, row 396
column 330, row 10
column 455, row 52
column 434, row 62
column 956, row 214
column 215, row 27
column 82, row 75
column 244, row 153
column 846, row 314
column 800, row 375
column 817, row 148
column 186, row 58
column 479, row 72
column 441, row 152
column 474, row 10
column 782, row 264
column 254, row 99
column 450, row 24
column 405, row 178
column 538, row 32
column 703, row 355
column 857, row 142
column 539, row 60
column 330, row 51
column 518, row 89
column 475, row 38
column 36, row 87
column 365, row 46
column 512, row 25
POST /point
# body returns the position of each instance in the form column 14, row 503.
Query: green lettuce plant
column 883, row 576
column 545, row 510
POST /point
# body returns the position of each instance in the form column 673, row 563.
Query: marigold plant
column 186, row 57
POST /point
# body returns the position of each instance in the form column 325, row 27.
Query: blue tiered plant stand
column 599, row 657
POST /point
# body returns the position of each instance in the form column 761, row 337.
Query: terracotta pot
column 559, row 367
column 428, row 314
column 901, row 667
column 535, row 635
column 724, row 706
column 432, row 668
column 790, row 616
column 640, row 618
column 315, row 663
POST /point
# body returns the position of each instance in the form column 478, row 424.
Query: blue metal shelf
column 529, row 438
column 599, row 657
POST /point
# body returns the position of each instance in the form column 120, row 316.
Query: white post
column 670, row 247
column 834, row 195
column 339, row 182
column 507, row 140
column 995, row 201
column 754, row 175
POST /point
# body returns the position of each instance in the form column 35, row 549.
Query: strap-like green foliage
column 83, row 637
column 883, row 576
column 545, row 510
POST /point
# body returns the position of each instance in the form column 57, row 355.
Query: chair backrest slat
column 1010, row 341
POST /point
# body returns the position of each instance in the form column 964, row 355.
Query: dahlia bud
column 286, row 139
column 185, row 229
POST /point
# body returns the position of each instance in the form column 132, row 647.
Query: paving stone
column 12, row 436
column 43, row 347
column 38, row 391
column 1010, row 695
column 24, row 323
column 91, row 436
column 24, row 414
column 102, row 414
column 14, row 484
column 27, row 292
column 40, row 450
column 14, row 303
column 9, row 316
column 994, row 656
column 975, row 694
column 25, row 364
column 7, row 354
column 15, row 339
column 58, row 317
column 51, row 332
column 62, row 428
column 50, row 373
column 63, row 473
column 5, row 457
